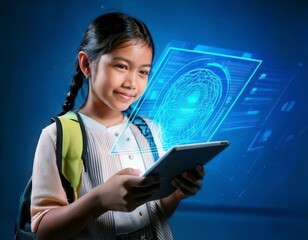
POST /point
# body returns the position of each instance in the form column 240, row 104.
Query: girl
column 115, row 57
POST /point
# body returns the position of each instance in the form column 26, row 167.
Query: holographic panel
column 191, row 92
column 263, row 93
column 266, row 94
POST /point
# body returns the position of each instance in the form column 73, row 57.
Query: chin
column 121, row 108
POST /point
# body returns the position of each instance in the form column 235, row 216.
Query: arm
column 54, row 218
column 170, row 203
column 188, row 184
column 65, row 221
column 124, row 191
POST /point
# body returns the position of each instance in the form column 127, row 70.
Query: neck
column 107, row 117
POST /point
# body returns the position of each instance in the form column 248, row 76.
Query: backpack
column 71, row 158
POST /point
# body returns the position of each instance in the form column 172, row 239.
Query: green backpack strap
column 71, row 152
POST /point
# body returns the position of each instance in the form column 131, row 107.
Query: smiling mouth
column 125, row 96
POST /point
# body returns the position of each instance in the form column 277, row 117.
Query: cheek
column 143, row 85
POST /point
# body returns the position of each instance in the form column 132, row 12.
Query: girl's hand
column 125, row 190
column 189, row 183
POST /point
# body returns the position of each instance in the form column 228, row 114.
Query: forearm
column 65, row 222
column 170, row 203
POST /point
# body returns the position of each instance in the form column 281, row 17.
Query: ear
column 84, row 63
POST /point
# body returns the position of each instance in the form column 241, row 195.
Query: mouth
column 125, row 95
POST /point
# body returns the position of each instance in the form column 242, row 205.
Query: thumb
column 129, row 171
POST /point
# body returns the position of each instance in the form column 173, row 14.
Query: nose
column 130, row 81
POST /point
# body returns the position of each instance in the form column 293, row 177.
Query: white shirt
column 124, row 221
column 48, row 192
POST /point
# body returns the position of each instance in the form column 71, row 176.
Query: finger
column 192, row 178
column 144, row 191
column 147, row 185
column 141, row 200
column 150, row 180
column 184, row 186
column 200, row 170
column 143, row 181
column 179, row 187
column 129, row 171
column 138, row 196
column 192, row 181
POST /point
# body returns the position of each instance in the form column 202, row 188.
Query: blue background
column 255, row 194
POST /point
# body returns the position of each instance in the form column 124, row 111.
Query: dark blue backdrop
column 246, row 196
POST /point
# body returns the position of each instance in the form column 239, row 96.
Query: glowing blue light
column 193, row 98
column 191, row 92
column 266, row 135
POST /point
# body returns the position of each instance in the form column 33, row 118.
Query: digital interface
column 199, row 93
column 223, row 70
column 191, row 92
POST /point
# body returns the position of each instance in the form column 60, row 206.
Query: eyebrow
column 130, row 62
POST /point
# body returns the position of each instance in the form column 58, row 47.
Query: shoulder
column 51, row 129
column 49, row 133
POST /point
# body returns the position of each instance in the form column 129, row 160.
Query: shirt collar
column 92, row 124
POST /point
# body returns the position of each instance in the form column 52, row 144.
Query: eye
column 144, row 72
column 121, row 66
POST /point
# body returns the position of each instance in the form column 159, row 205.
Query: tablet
column 181, row 158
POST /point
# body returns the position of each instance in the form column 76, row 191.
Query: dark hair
column 103, row 35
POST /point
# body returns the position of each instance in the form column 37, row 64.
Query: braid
column 76, row 84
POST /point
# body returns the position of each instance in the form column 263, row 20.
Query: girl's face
column 120, row 77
